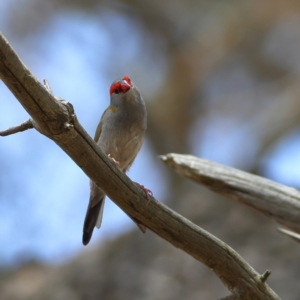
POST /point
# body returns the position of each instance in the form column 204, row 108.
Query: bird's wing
column 99, row 128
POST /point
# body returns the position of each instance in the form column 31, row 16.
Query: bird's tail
column 94, row 213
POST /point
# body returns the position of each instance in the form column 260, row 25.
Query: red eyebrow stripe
column 115, row 86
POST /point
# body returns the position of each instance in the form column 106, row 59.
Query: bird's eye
column 116, row 91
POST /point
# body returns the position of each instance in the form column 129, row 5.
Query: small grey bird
column 120, row 135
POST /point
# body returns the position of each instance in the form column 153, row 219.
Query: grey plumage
column 119, row 134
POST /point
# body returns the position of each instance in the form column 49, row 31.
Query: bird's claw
column 146, row 191
column 114, row 161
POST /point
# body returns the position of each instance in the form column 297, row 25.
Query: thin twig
column 47, row 86
column 18, row 128
column 265, row 275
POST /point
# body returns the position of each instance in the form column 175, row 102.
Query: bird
column 120, row 135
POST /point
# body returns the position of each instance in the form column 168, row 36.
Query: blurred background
column 220, row 80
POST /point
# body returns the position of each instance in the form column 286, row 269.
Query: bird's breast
column 122, row 140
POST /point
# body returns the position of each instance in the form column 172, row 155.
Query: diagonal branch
column 290, row 233
column 56, row 120
column 277, row 201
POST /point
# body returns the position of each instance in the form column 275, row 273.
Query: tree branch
column 277, row 201
column 290, row 233
column 18, row 128
column 55, row 119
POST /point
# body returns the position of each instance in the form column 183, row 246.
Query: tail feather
column 140, row 225
column 94, row 214
column 100, row 215
column 93, row 217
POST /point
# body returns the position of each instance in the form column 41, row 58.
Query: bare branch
column 47, row 86
column 290, row 233
column 265, row 275
column 277, row 201
column 52, row 115
column 18, row 128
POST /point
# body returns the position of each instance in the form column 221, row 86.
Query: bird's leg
column 114, row 161
column 147, row 191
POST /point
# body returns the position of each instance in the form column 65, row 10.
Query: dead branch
column 56, row 120
column 290, row 233
column 277, row 201
column 18, row 128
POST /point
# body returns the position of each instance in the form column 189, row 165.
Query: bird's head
column 120, row 86
column 123, row 92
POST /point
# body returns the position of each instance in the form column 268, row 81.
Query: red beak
column 125, row 86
